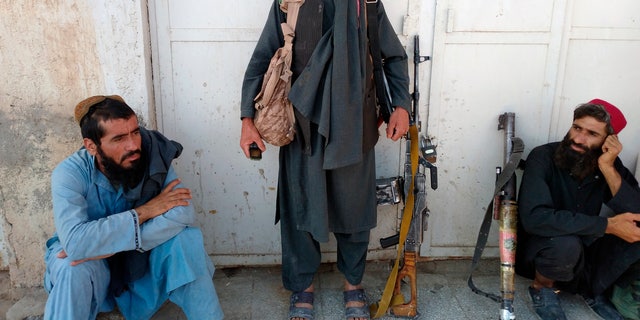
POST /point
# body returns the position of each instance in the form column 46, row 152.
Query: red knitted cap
column 618, row 122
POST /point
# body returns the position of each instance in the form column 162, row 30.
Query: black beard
column 580, row 165
column 118, row 175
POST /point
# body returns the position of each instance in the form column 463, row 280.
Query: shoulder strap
column 378, row 72
column 291, row 8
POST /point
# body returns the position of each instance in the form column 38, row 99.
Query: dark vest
column 309, row 30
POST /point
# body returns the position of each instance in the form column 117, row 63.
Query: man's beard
column 579, row 164
column 118, row 175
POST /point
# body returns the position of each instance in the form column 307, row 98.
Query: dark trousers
column 577, row 264
column 301, row 256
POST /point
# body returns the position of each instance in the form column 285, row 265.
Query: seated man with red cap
column 564, row 242
column 125, row 225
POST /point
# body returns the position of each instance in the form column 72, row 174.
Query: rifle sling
column 380, row 308
column 509, row 169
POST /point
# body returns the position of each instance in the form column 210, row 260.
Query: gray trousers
column 301, row 256
column 313, row 202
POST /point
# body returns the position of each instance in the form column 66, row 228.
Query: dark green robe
column 336, row 114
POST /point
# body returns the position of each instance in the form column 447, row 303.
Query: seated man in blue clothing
column 124, row 224
column 563, row 242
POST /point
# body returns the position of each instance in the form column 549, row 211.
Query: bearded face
column 117, row 173
column 580, row 159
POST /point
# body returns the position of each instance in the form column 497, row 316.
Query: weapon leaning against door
column 393, row 190
column 504, row 208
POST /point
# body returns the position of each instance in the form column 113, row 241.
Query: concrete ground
column 257, row 293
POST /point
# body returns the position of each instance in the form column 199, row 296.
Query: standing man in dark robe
column 564, row 243
column 326, row 180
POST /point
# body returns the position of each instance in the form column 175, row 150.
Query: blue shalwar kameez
column 92, row 218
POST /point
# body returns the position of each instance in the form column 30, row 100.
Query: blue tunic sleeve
column 91, row 218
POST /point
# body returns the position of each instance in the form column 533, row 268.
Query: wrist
column 142, row 215
column 609, row 226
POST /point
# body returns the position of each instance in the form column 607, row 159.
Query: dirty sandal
column 300, row 312
column 356, row 295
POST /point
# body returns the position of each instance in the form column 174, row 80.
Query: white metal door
column 537, row 58
column 200, row 52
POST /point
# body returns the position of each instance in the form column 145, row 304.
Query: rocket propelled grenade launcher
column 503, row 208
column 508, row 215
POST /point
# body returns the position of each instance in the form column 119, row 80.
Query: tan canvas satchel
column 274, row 117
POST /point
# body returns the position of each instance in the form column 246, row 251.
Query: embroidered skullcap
column 618, row 122
column 83, row 106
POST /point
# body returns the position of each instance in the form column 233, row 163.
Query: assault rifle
column 417, row 207
column 505, row 209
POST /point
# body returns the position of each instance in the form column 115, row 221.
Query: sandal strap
column 357, row 312
column 302, row 297
column 300, row 312
column 354, row 295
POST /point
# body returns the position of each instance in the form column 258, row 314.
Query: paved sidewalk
column 257, row 293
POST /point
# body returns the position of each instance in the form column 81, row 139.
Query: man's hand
column 250, row 135
column 62, row 254
column 624, row 226
column 168, row 199
column 398, row 124
column 611, row 148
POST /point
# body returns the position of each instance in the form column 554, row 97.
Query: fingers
column 626, row 227
column 249, row 134
column 611, row 148
column 169, row 198
column 395, row 134
column 612, row 145
column 179, row 195
column 62, row 255
column 398, row 124
column 171, row 185
column 77, row 262
column 244, row 145
column 180, row 192
column 173, row 196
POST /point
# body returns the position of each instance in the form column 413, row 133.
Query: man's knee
column 559, row 256
column 187, row 247
column 564, row 249
column 87, row 272
column 188, row 237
